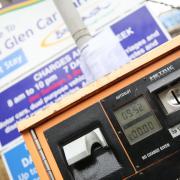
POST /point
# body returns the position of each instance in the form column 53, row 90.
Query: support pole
column 73, row 21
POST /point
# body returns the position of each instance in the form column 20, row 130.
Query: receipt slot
column 123, row 126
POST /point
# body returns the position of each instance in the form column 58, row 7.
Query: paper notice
column 102, row 55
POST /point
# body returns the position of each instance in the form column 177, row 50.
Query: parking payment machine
column 123, row 126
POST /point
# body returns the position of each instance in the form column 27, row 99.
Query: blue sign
column 12, row 62
column 19, row 163
column 42, row 88
column 139, row 33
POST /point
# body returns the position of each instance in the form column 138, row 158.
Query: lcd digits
column 137, row 120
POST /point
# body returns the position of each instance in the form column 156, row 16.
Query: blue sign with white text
column 12, row 62
column 40, row 89
column 139, row 32
column 19, row 163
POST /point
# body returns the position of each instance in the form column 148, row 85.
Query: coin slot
column 170, row 98
column 176, row 102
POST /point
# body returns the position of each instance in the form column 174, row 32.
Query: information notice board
column 62, row 75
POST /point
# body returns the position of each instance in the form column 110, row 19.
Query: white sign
column 37, row 34
column 40, row 32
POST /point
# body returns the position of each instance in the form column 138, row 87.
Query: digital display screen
column 137, row 120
